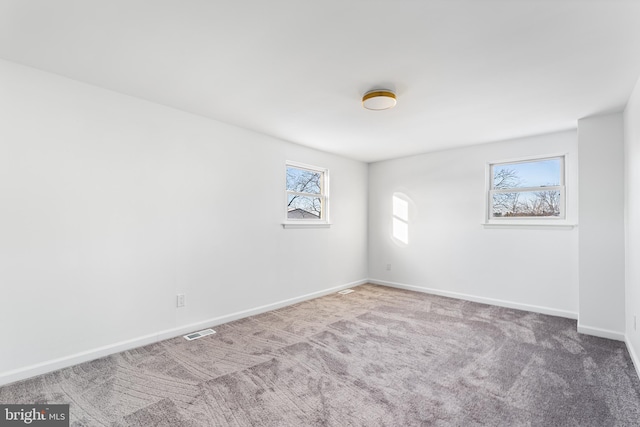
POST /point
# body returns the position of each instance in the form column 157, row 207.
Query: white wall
column 632, row 223
column 601, row 205
column 111, row 205
column 450, row 252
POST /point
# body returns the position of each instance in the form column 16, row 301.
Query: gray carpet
column 376, row 357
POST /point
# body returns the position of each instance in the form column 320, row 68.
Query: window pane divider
column 297, row 193
column 528, row 189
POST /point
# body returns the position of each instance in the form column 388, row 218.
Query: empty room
column 337, row 213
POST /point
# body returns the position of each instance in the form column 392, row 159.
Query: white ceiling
column 465, row 71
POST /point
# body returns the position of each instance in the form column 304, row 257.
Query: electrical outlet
column 180, row 300
column 388, row 267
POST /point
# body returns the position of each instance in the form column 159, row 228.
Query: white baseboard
column 96, row 353
column 633, row 354
column 588, row 330
column 483, row 300
column 599, row 332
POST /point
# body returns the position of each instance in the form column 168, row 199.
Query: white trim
column 530, row 158
column 482, row 300
column 527, row 224
column 323, row 196
column 96, row 353
column 632, row 353
column 599, row 332
column 489, row 190
column 306, row 224
column 306, row 166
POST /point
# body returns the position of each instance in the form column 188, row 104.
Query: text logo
column 34, row 415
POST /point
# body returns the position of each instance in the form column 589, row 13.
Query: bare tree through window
column 305, row 193
column 527, row 189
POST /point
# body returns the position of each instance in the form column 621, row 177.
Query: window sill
column 530, row 224
column 303, row 224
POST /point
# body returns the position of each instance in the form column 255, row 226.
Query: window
column 532, row 189
column 307, row 193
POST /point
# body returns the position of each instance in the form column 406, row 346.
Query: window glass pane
column 539, row 173
column 304, row 207
column 303, row 181
column 527, row 204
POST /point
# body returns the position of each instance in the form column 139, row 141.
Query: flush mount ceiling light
column 379, row 99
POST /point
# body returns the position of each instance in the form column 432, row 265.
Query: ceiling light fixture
column 379, row 99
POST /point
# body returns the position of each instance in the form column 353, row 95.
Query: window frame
column 323, row 221
column 527, row 220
